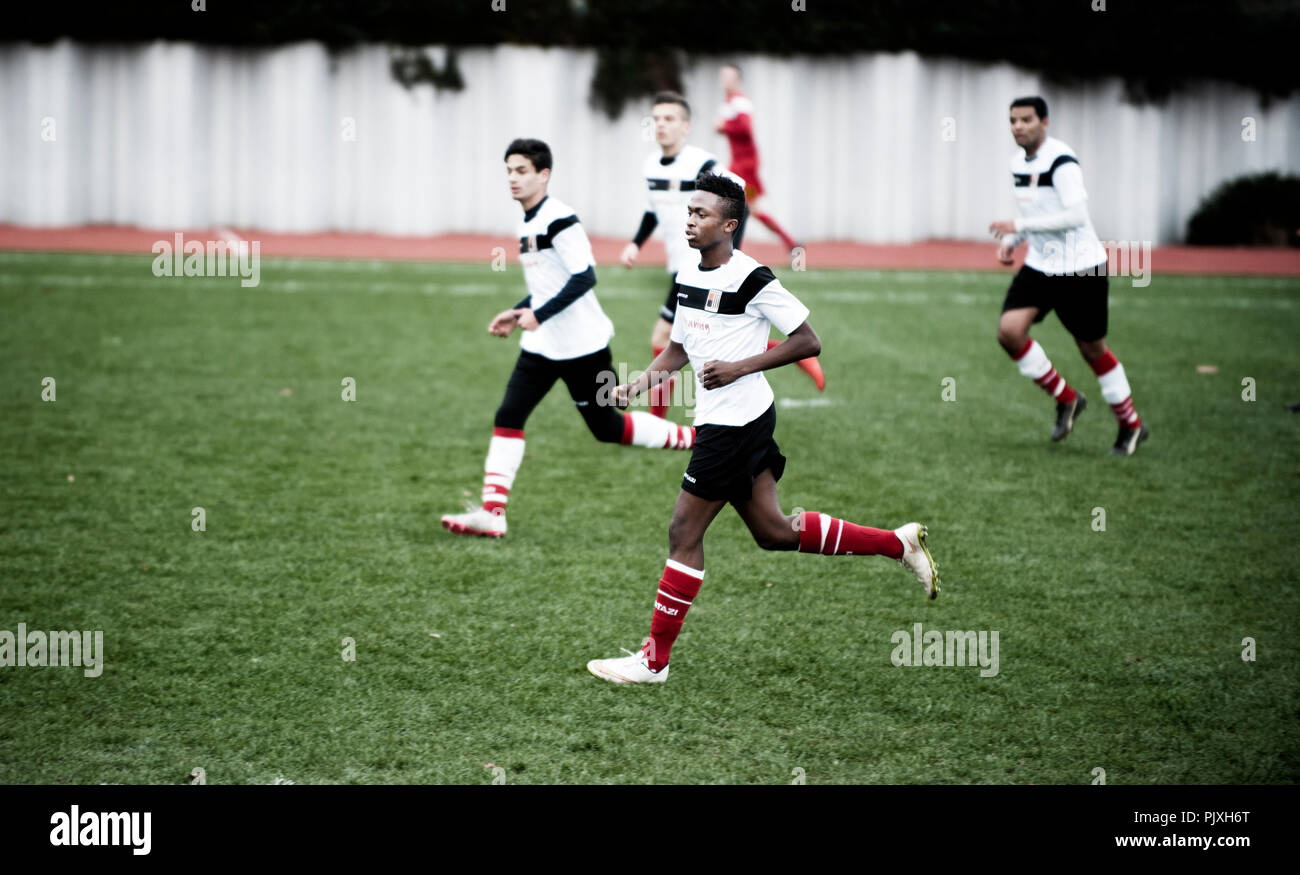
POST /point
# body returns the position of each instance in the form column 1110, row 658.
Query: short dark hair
column 1039, row 105
column 672, row 97
column 534, row 150
column 732, row 195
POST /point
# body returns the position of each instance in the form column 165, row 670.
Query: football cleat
column 1126, row 443
column 916, row 557
column 813, row 368
column 475, row 521
column 1066, row 414
column 631, row 669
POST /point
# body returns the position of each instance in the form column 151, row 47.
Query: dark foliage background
column 1154, row 45
column 1262, row 209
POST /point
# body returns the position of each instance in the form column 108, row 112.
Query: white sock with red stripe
column 644, row 430
column 1035, row 365
column 1115, row 389
column 505, row 453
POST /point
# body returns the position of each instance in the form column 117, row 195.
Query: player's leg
column 813, row 532
column 680, row 584
column 755, row 204
column 1086, row 317
column 589, row 380
column 1028, row 301
column 661, row 396
column 810, row 366
column 718, row 461
column 532, row 378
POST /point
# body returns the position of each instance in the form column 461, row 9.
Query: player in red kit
column 736, row 122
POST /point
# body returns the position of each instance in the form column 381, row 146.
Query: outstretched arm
column 801, row 343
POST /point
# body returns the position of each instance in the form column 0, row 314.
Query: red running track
column 930, row 255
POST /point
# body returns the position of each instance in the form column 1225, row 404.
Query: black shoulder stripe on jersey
column 707, row 166
column 725, row 303
column 547, row 240
column 1044, row 178
column 663, row 184
column 757, row 280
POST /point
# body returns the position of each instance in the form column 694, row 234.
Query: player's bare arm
column 802, row 343
column 503, row 324
column 667, row 363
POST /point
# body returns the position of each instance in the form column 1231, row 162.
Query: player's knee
column 1011, row 337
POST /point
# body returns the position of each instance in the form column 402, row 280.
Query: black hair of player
column 731, row 195
column 1039, row 105
column 534, row 150
column 672, row 97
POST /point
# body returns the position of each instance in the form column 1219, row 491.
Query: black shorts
column 727, row 458
column 1080, row 300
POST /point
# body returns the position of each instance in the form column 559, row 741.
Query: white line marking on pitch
column 804, row 402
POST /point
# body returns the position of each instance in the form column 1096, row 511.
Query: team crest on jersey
column 712, row 302
column 674, row 185
column 1033, row 180
column 530, row 243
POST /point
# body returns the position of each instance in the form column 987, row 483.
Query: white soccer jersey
column 724, row 314
column 553, row 247
column 670, row 187
column 1051, row 182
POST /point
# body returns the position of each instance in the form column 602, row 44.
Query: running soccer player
column 670, row 179
column 1065, row 270
column 737, row 123
column 727, row 306
column 565, row 337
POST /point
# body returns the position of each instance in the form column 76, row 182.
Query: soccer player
column 565, row 337
column 670, row 178
column 727, row 306
column 736, row 122
column 1065, row 270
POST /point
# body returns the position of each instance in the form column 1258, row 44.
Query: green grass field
column 1119, row 649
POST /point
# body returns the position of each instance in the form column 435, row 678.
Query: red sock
column 767, row 220
column 819, row 533
column 661, row 395
column 677, row 589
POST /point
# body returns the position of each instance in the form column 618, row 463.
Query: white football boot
column 475, row 521
column 631, row 669
column 916, row 557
